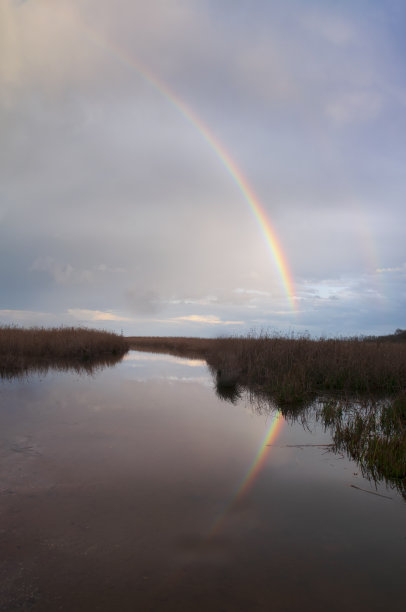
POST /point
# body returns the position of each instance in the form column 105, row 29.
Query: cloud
column 114, row 202
column 143, row 302
column 209, row 319
column 401, row 268
column 60, row 273
column 331, row 26
column 354, row 106
column 84, row 314
column 28, row 317
column 57, row 46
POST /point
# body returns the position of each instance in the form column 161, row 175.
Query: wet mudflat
column 138, row 488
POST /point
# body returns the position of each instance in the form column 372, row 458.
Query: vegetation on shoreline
column 293, row 369
column 356, row 385
column 197, row 348
column 369, row 429
column 373, row 433
column 36, row 348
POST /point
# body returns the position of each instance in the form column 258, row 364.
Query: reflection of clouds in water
column 199, row 379
column 157, row 366
column 202, row 380
column 141, row 356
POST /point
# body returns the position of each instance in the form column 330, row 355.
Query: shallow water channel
column 138, row 488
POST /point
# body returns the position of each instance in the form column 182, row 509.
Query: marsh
column 139, row 487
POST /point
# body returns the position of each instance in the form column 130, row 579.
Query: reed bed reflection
column 370, row 430
column 356, row 386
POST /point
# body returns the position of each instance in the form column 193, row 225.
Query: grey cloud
column 143, row 302
column 99, row 167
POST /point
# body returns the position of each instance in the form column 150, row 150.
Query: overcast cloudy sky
column 116, row 212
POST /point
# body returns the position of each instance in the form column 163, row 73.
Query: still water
column 138, row 488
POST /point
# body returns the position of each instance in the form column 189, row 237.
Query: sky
column 203, row 167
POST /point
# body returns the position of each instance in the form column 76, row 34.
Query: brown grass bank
column 294, row 368
column 38, row 348
column 360, row 384
column 198, row 348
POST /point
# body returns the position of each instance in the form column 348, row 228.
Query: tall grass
column 373, row 433
column 23, row 349
column 173, row 345
column 370, row 430
column 358, row 384
column 295, row 368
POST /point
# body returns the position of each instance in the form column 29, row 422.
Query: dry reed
column 39, row 348
column 197, row 348
column 294, row 368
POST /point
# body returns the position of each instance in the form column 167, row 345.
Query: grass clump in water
column 373, row 433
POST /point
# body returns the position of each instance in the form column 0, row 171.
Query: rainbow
column 224, row 157
column 254, row 469
column 261, row 456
